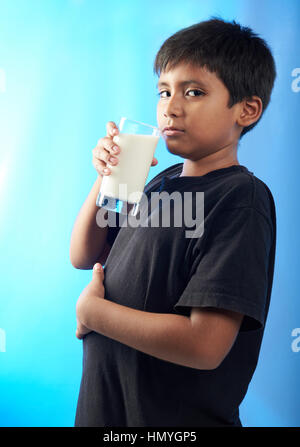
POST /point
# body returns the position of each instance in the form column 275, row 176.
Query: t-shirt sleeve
column 231, row 271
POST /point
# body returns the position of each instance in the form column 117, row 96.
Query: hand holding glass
column 122, row 190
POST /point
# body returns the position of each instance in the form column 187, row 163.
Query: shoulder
column 249, row 194
column 244, row 189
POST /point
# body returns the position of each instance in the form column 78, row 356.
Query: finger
column 101, row 167
column 111, row 146
column 106, row 144
column 98, row 273
column 154, row 162
column 111, row 129
column 105, row 147
column 101, row 154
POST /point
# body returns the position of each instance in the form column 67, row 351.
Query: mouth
column 172, row 131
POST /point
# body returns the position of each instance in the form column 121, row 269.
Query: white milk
column 135, row 158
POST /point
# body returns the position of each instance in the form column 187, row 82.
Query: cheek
column 159, row 114
column 212, row 120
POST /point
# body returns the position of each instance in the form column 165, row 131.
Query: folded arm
column 200, row 341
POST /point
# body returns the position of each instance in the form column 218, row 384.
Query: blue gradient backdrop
column 66, row 68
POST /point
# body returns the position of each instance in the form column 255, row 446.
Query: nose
column 172, row 107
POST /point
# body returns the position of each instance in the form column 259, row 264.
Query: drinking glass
column 122, row 190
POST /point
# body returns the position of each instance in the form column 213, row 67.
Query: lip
column 172, row 131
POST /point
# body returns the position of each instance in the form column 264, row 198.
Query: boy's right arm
column 89, row 241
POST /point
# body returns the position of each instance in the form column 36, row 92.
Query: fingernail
column 115, row 149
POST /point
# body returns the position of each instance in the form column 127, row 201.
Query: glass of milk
column 122, row 190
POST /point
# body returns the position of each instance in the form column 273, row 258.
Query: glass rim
column 123, row 118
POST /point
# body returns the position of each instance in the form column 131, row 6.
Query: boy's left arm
column 200, row 341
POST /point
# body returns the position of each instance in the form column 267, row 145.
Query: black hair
column 238, row 56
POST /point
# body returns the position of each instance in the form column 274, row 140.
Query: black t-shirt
column 158, row 269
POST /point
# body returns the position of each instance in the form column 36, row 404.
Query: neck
column 218, row 160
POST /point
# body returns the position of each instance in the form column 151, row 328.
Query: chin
column 174, row 148
column 179, row 150
column 176, row 151
column 192, row 156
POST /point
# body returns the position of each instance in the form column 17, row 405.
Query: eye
column 165, row 93
column 197, row 92
column 161, row 94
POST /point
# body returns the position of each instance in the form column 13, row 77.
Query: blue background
column 66, row 68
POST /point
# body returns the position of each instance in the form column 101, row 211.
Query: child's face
column 199, row 108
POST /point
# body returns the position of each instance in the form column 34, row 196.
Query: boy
column 172, row 329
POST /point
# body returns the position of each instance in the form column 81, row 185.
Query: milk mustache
column 127, row 179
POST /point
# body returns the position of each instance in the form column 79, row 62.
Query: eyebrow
column 183, row 83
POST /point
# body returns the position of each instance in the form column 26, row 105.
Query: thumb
column 98, row 271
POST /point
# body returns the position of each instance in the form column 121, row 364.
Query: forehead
column 187, row 73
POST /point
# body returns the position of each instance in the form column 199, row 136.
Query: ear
column 250, row 111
